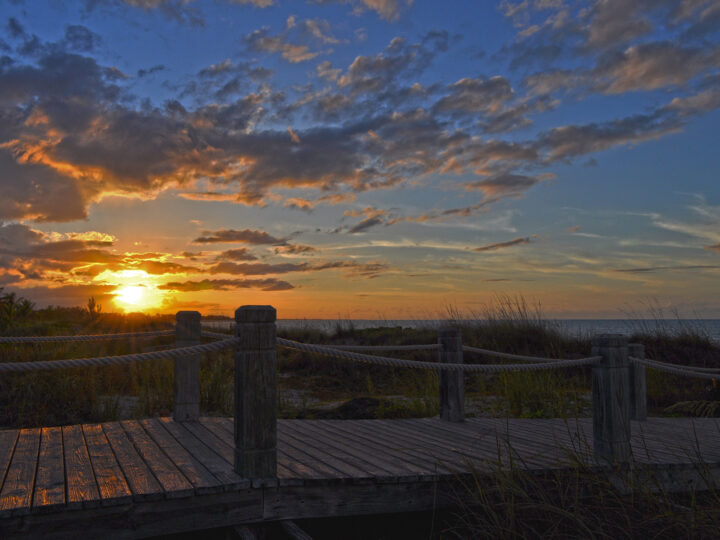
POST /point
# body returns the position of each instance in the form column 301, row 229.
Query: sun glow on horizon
column 136, row 290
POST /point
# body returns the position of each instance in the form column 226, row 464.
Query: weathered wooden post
column 187, row 369
column 255, row 393
column 611, row 399
column 638, row 387
column 452, row 387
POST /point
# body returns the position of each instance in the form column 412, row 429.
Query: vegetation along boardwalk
column 138, row 478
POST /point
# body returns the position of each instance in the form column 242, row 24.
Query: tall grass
column 307, row 381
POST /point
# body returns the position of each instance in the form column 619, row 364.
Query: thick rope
column 690, row 368
column 95, row 337
column 669, row 368
column 398, row 362
column 429, row 347
column 216, row 335
column 168, row 354
column 509, row 356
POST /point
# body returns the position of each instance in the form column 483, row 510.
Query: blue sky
column 361, row 158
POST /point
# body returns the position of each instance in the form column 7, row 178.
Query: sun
column 135, row 290
column 131, row 295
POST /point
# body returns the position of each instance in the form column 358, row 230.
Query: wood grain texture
column 140, row 478
column 17, row 489
column 82, row 490
column 187, row 369
column 112, row 486
column 256, row 393
column 452, row 385
column 173, row 482
column 50, row 480
column 175, row 471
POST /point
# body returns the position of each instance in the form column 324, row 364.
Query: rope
column 661, row 366
column 96, row 337
column 429, row 347
column 509, row 356
column 690, row 368
column 171, row 354
column 216, row 335
column 398, row 362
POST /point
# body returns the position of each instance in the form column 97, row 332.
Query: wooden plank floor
column 50, row 470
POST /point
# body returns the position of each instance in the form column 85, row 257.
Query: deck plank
column 50, row 470
column 110, row 479
column 200, row 477
column 216, row 464
column 168, row 475
column 17, row 490
column 50, row 481
column 140, row 478
column 82, row 490
column 8, row 438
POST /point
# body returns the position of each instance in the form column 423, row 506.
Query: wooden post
column 255, row 393
column 187, row 369
column 638, row 387
column 452, row 388
column 611, row 399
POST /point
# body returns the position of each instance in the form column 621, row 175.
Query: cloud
column 716, row 248
column 294, row 249
column 80, row 38
column 351, row 268
column 239, row 254
column 268, row 284
column 262, row 41
column 668, row 268
column 245, row 236
column 505, row 185
column 502, row 245
column 476, row 95
column 397, row 62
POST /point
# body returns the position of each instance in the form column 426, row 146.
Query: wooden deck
column 142, row 478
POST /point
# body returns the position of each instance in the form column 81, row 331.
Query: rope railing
column 509, row 356
column 428, row 347
column 87, row 338
column 167, row 354
column 400, row 362
column 675, row 369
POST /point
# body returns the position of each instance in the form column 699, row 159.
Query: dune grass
column 310, row 385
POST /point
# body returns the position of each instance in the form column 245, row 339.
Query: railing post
column 452, row 388
column 187, row 369
column 611, row 399
column 638, row 387
column 255, row 393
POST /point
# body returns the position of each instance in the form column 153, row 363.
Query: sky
column 361, row 158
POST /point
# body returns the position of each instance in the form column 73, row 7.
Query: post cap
column 187, row 316
column 449, row 331
column 257, row 314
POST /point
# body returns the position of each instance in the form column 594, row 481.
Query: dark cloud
column 502, row 245
column 154, row 69
column 667, row 268
column 476, row 95
column 268, row 284
column 504, row 185
column 400, row 60
column 81, row 39
column 294, row 249
column 245, row 236
column 239, row 254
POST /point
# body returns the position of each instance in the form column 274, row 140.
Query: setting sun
column 136, row 290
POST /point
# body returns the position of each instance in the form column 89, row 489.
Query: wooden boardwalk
column 147, row 477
